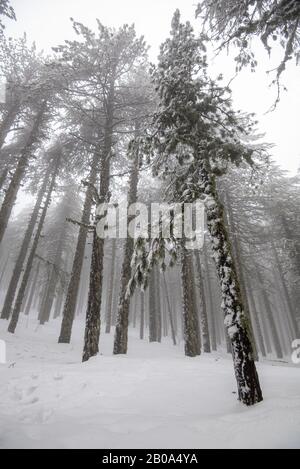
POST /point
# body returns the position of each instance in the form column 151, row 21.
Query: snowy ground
column 153, row 398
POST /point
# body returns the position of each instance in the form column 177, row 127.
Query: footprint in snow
column 31, row 390
column 32, row 401
column 58, row 377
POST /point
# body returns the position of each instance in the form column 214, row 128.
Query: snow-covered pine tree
column 195, row 134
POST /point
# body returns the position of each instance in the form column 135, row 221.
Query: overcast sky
column 48, row 23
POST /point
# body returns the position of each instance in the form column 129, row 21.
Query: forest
column 154, row 331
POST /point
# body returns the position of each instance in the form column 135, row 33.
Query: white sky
column 47, row 22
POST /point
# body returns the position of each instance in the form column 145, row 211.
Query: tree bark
column 249, row 390
column 237, row 251
column 93, row 314
column 213, row 334
column 203, row 312
column 173, row 331
column 15, row 183
column 190, row 317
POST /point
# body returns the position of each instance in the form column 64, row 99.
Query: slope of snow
column 152, row 398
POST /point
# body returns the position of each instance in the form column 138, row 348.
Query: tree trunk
column 142, row 318
column 20, row 297
column 291, row 314
column 54, row 276
column 270, row 316
column 158, row 304
column 203, row 313
column 111, row 288
column 13, row 285
column 73, row 288
column 190, row 316
column 264, row 322
column 121, row 333
column 173, row 332
column 3, row 178
column 58, row 304
column 260, row 336
column 237, row 251
column 211, row 301
column 32, row 289
column 4, row 269
column 249, row 390
column 15, row 183
column 152, row 308
column 7, row 123
column 93, row 314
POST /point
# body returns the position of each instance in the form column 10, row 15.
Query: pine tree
column 195, row 134
column 11, row 291
column 73, row 288
column 32, row 139
column 30, row 261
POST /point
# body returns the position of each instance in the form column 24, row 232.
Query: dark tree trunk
column 121, row 333
column 264, row 322
column 291, row 314
column 15, row 183
column 237, row 251
column 3, row 178
column 142, row 318
column 111, row 288
column 4, row 269
column 173, row 331
column 260, row 336
column 32, row 289
column 235, row 319
column 93, row 322
column 7, row 123
column 20, row 297
column 73, row 288
column 213, row 335
column 93, row 314
column 203, row 312
column 270, row 316
column 13, row 285
column 152, row 309
column 53, row 280
column 190, row 317
column 158, row 304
